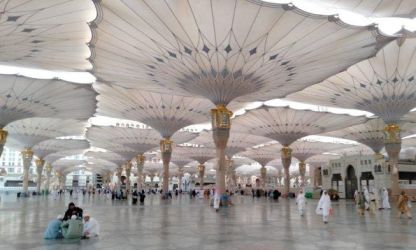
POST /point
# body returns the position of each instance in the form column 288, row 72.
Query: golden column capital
column 221, row 117
column 302, row 167
column 127, row 166
column 27, row 153
column 263, row 171
column 39, row 163
column 201, row 167
column 58, row 174
column 166, row 146
column 140, row 159
column 48, row 167
column 3, row 136
column 392, row 133
column 286, row 152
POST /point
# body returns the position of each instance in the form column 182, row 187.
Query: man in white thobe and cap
column 324, row 206
column 385, row 204
column 301, row 202
column 91, row 227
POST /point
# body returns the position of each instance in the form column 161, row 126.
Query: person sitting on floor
column 53, row 230
column 72, row 210
column 91, row 227
column 72, row 229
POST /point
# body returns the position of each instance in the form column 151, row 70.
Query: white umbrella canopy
column 384, row 85
column 28, row 132
column 359, row 149
column 254, row 170
column 200, row 154
column 62, row 164
column 47, row 34
column 25, row 97
column 371, row 133
column 237, row 142
column 126, row 153
column 368, row 8
column 108, row 156
column 238, row 160
column 303, row 150
column 63, row 154
column 44, row 148
column 223, row 50
column 166, row 113
column 321, row 159
column 181, row 161
column 263, row 155
column 287, row 125
column 100, row 163
column 141, row 140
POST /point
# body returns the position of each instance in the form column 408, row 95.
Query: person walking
column 385, row 204
column 301, row 202
column 324, row 207
column 403, row 205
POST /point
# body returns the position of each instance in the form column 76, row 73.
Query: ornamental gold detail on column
column 3, row 136
column 166, row 146
column 201, row 168
column 140, row 159
column 263, row 171
column 392, row 133
column 302, row 168
column 39, row 163
column 27, row 153
column 286, row 152
column 221, row 117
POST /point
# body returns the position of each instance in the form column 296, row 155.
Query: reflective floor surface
column 191, row 224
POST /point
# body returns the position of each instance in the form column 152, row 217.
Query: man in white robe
column 91, row 227
column 324, row 206
column 385, row 204
column 301, row 201
column 366, row 198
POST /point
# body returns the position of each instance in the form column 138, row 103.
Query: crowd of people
column 370, row 201
column 73, row 225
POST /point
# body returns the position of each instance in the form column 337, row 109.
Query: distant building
column 350, row 173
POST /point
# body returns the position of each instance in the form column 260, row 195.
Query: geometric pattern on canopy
column 303, row 150
column 287, row 125
column 47, row 34
column 199, row 154
column 125, row 152
column 166, row 113
column 54, row 145
column 237, row 141
column 384, row 85
column 65, row 164
column 372, row 8
column 51, row 158
column 321, row 159
column 96, row 163
column 223, row 50
column 263, row 155
column 24, row 97
column 108, row 156
column 28, row 132
column 358, row 149
column 140, row 140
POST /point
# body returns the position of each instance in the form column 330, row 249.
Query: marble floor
column 182, row 223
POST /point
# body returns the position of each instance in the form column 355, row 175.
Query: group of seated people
column 70, row 226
